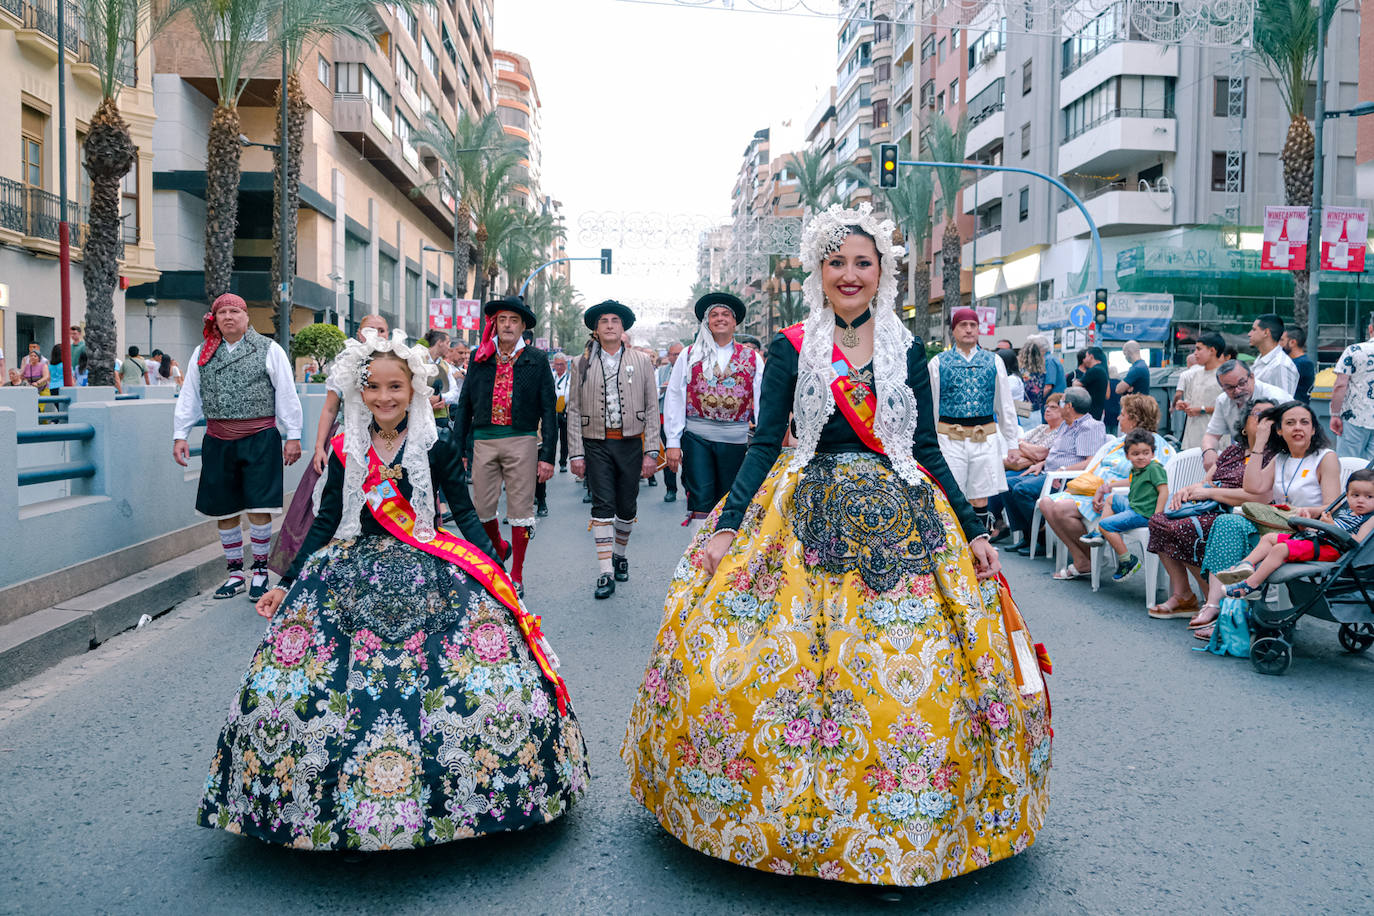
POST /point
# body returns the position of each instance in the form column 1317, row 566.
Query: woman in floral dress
column 402, row 696
column 832, row 692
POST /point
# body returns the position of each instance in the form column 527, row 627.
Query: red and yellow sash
column 395, row 513
column 858, row 403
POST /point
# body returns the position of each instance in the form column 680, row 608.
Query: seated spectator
column 1238, row 387
column 1147, row 490
column 1297, row 469
column 1180, row 542
column 34, row 370
column 1246, row 580
column 1070, row 514
column 15, row 380
column 1077, row 440
column 1034, row 446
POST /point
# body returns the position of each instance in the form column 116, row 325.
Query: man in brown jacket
column 612, row 415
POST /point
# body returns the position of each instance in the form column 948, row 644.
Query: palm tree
column 461, row 156
column 237, row 36
column 1286, row 39
column 566, row 324
column 815, row 182
column 300, row 23
column 910, row 205
column 947, row 145
column 112, row 27
column 489, row 195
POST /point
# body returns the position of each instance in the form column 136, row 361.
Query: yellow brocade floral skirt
column 839, row 699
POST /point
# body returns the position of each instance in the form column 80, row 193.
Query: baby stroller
column 1341, row 591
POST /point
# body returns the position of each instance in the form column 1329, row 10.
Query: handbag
column 1023, row 408
column 1194, row 507
column 1270, row 518
column 1085, row 484
column 1028, row 659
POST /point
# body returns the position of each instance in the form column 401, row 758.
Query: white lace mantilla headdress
column 703, row 349
column 351, row 368
column 895, row 422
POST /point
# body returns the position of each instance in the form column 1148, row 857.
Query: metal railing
column 36, row 212
column 985, row 112
column 13, row 7
column 73, row 470
column 1112, row 115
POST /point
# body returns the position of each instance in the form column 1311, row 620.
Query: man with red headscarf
column 243, row 385
column 507, row 412
column 975, row 412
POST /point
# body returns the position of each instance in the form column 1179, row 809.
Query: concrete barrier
column 139, row 506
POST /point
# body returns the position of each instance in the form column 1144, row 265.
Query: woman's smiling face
column 849, row 274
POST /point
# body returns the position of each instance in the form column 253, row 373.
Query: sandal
column 1069, row 572
column 1243, row 589
column 1235, row 573
column 1175, row 607
column 1204, row 634
column 1197, row 622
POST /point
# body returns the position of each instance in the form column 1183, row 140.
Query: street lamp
column 150, row 304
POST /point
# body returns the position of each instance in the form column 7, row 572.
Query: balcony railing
column 985, row 112
column 987, row 230
column 41, row 15
column 1167, row 112
column 36, row 213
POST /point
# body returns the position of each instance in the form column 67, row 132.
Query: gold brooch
column 388, row 473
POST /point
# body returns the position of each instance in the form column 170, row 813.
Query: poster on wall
column 1138, row 316
column 1054, row 313
column 468, row 314
column 1345, row 238
column 1285, row 239
column 987, row 320
column 441, row 314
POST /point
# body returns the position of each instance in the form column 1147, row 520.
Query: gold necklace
column 850, row 332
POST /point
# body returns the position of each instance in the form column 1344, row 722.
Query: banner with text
column 1285, row 239
column 1137, row 316
column 441, row 314
column 1054, row 313
column 987, row 320
column 1345, row 238
column 468, row 314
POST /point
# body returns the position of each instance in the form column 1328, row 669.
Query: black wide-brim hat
column 609, row 307
column 511, row 304
column 733, row 302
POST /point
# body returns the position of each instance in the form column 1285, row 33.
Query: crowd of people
column 48, row 374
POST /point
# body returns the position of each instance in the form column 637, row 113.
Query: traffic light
column 1100, row 308
column 887, row 165
column 605, row 260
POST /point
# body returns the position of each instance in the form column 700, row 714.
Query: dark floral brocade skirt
column 393, row 703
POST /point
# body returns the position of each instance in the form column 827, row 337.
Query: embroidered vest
column 236, row 386
column 968, row 387
column 730, row 396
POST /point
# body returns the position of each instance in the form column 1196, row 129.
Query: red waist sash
column 395, row 514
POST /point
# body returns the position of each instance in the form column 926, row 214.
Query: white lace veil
column 895, row 422
column 703, row 350
column 351, row 367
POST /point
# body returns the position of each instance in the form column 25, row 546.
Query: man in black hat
column 507, row 401
column 612, row 434
column 712, row 397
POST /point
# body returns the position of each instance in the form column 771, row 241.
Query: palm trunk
column 921, row 285
column 462, row 220
column 920, row 319
column 950, row 256
column 480, row 259
column 110, row 153
column 1299, row 147
column 221, row 199
column 296, row 109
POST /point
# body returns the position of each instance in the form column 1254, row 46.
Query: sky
column 648, row 108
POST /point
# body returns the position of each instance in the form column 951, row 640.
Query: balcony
column 1133, row 58
column 905, row 81
column 986, row 130
column 989, row 246
column 1118, row 139
column 902, row 127
column 39, row 29
column 33, row 215
column 1117, row 209
column 991, row 67
column 986, row 190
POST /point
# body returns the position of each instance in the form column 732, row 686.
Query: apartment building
column 765, row 230
column 1142, row 131
column 30, row 303
column 1364, row 144
column 712, row 246
column 863, row 92
column 374, row 234
column 517, row 105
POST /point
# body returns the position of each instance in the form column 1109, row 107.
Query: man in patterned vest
column 976, row 416
column 506, row 411
column 712, row 397
column 243, row 385
column 612, row 434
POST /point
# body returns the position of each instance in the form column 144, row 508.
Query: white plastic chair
column 1350, row 466
column 1184, row 470
column 1052, row 478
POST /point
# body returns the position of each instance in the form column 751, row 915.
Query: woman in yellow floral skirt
column 832, row 692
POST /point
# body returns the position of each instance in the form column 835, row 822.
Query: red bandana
column 211, row 329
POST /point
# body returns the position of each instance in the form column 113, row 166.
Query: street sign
column 1345, row 238
column 1285, row 239
column 441, row 314
column 1080, row 316
column 1075, row 339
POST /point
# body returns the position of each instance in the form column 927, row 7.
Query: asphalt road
column 1182, row 782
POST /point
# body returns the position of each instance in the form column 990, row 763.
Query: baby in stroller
column 1246, row 579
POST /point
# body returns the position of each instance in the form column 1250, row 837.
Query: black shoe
column 586, row 497
column 605, row 586
column 542, row 510
column 231, row 587
column 1023, row 550
column 562, row 469
column 519, row 589
column 622, row 568
column 653, row 481
column 1000, row 536
column 670, row 496
column 258, row 588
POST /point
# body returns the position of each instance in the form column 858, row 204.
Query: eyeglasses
column 1238, row 386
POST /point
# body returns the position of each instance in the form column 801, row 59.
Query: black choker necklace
column 850, row 337
column 388, row 435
